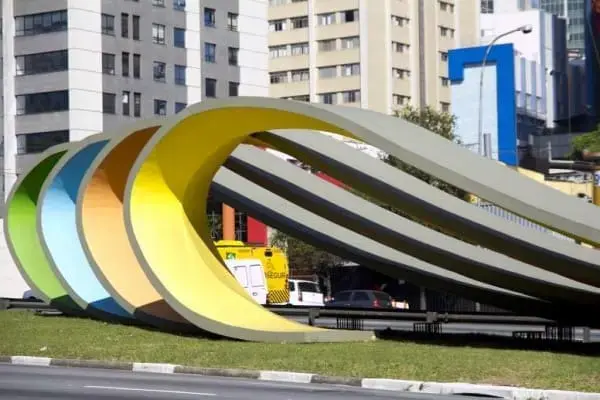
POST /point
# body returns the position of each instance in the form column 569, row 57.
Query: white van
column 305, row 293
column 251, row 275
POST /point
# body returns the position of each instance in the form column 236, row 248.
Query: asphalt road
column 33, row 383
column 452, row 328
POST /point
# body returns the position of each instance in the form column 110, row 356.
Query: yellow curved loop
column 165, row 207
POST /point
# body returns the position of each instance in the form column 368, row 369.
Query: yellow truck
column 273, row 260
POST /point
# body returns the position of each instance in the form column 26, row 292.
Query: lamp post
column 525, row 29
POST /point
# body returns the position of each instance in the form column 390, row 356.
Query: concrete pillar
column 228, row 222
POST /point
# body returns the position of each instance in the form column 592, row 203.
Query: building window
column 40, row 141
column 232, row 55
column 179, row 74
column 108, row 24
column 42, row 63
column 400, row 100
column 447, row 7
column 300, row 75
column 125, row 100
column 299, row 49
column 326, row 19
column 487, row 6
column 137, row 104
column 399, row 21
column 234, row 89
column 210, row 52
column 179, row 107
column 160, row 107
column 124, row 25
column 159, row 70
column 350, row 16
column 209, row 17
column 277, row 25
column 36, row 103
column 232, row 22
column 108, row 103
column 37, row 24
column 210, row 87
column 351, row 96
column 304, row 97
column 179, row 5
column 444, row 81
column 125, row 64
column 328, row 98
column 137, row 66
column 278, row 51
column 444, row 56
column 279, row 77
column 351, row 69
column 446, row 32
column 328, row 72
column 445, row 107
column 400, row 47
column 158, row 34
column 158, row 3
column 327, row 45
column 179, row 37
column 299, row 22
column 351, row 42
column 108, row 63
column 399, row 73
column 136, row 27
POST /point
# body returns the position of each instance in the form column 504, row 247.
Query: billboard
column 592, row 55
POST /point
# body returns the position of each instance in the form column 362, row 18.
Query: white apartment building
column 377, row 55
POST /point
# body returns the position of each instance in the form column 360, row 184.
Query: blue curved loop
column 59, row 231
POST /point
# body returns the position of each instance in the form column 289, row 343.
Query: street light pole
column 525, row 29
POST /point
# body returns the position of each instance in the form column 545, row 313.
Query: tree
column 441, row 123
column 587, row 142
column 308, row 259
column 303, row 258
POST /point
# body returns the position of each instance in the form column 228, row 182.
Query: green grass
column 24, row 333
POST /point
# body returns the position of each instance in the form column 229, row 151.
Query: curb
column 503, row 392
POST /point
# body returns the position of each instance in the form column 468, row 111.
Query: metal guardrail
column 402, row 315
column 350, row 315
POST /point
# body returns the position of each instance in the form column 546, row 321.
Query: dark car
column 361, row 299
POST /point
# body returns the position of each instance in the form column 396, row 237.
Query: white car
column 305, row 293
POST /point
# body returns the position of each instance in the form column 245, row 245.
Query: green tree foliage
column 303, row 258
column 587, row 142
column 441, row 123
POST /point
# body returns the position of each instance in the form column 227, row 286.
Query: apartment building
column 77, row 67
column 377, row 55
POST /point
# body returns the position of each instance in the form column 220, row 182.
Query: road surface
column 33, row 383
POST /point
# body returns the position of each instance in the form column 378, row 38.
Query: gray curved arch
column 318, row 231
column 425, row 202
column 362, row 216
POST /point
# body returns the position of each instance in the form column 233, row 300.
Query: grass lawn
column 24, row 333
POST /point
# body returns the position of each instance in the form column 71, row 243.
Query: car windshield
column 381, row 296
column 308, row 287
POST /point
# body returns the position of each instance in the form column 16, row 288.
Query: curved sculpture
column 103, row 236
column 57, row 230
column 20, row 227
column 121, row 220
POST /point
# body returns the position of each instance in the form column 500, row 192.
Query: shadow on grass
column 492, row 342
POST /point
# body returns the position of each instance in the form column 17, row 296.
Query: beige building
column 375, row 54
